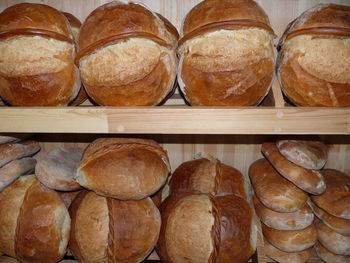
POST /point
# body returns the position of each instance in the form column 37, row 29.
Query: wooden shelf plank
column 176, row 120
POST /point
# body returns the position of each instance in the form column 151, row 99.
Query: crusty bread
column 328, row 256
column 333, row 241
column 109, row 230
column 226, row 54
column 14, row 169
column 313, row 65
column 204, row 228
column 297, row 220
column 285, row 257
column 5, row 259
column 208, row 176
column 68, row 197
column 126, row 56
column 6, row 139
column 57, row 169
column 291, row 240
column 338, row 224
column 123, row 168
column 274, row 191
column 309, row 180
column 12, row 151
column 336, row 198
column 308, row 154
column 37, row 57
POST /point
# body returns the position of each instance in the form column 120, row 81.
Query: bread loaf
column 285, row 257
column 6, row 139
column 36, row 57
column 291, row 240
column 123, row 168
column 314, row 62
column 109, row 230
column 336, row 198
column 7, row 260
column 205, row 228
column 208, row 176
column 333, row 241
column 274, row 191
column 12, row 151
column 226, row 54
column 309, row 180
column 308, row 154
column 126, row 56
column 14, row 169
column 57, row 169
column 328, row 256
column 297, row 220
column 34, row 222
column 68, row 197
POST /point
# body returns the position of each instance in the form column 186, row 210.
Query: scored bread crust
column 328, row 256
column 273, row 190
column 13, row 150
column 309, row 180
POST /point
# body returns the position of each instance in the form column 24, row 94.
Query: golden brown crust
column 297, row 220
column 40, row 236
column 328, row 256
column 274, row 191
column 291, row 240
column 12, row 150
column 308, row 154
column 336, row 198
column 308, row 180
column 80, row 98
column 170, row 27
column 73, row 21
column 333, row 241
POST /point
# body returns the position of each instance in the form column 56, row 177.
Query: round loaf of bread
column 123, row 168
column 297, row 220
column 57, row 169
column 285, row 257
column 309, row 180
column 291, row 240
column 34, row 222
column 12, row 151
column 330, row 257
column 274, row 191
column 208, row 176
column 110, row 230
column 314, row 62
column 227, row 56
column 333, row 241
column 338, row 224
column 308, row 154
column 36, row 57
column 126, row 56
column 336, row 198
column 205, row 228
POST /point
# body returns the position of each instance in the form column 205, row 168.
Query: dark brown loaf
column 57, row 169
column 285, row 257
column 291, row 240
column 124, row 168
column 203, row 228
column 313, row 65
column 333, row 241
column 208, row 176
column 226, row 54
column 109, row 230
column 126, row 56
column 36, row 54
column 297, row 220
column 12, row 151
column 308, row 154
column 309, row 180
column 274, row 191
column 340, row 225
column 330, row 257
column 14, row 169
column 336, row 199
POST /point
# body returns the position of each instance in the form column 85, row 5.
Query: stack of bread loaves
column 207, row 217
column 281, row 183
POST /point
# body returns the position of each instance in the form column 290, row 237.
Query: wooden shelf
column 176, row 120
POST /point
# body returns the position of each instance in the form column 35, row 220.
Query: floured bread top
column 23, row 56
column 121, row 63
column 324, row 58
column 226, row 50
